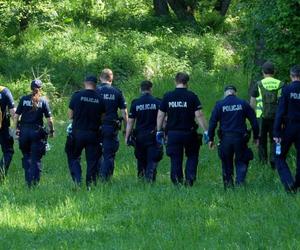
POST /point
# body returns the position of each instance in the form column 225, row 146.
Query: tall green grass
column 126, row 213
column 129, row 214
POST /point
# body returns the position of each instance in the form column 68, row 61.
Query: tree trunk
column 161, row 7
column 222, row 6
column 182, row 10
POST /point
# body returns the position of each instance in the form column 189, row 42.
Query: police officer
column 231, row 113
column 143, row 114
column 32, row 136
column 86, row 109
column 182, row 107
column 264, row 99
column 6, row 140
column 114, row 100
column 286, row 130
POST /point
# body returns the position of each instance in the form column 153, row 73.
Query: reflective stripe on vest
column 269, row 83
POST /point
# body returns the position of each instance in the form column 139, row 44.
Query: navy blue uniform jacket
column 180, row 106
column 6, row 101
column 113, row 99
column 144, row 110
column 232, row 113
column 289, row 107
column 29, row 116
column 88, row 108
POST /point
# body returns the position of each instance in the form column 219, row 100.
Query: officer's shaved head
column 106, row 75
column 182, row 78
column 146, row 86
column 268, row 68
column 295, row 71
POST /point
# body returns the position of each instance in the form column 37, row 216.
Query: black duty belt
column 109, row 123
column 33, row 126
column 87, row 130
column 294, row 120
column 232, row 134
column 183, row 130
column 144, row 132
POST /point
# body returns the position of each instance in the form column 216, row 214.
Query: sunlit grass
column 129, row 214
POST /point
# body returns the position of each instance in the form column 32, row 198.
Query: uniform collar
column 229, row 96
column 180, row 89
column 297, row 81
column 145, row 94
column 102, row 84
column 269, row 77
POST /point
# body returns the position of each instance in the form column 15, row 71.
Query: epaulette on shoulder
column 134, row 100
column 76, row 92
column 117, row 89
column 168, row 93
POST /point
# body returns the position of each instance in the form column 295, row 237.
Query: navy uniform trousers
column 7, row 146
column 178, row 143
column 69, row 149
column 266, row 133
column 32, row 145
column 290, row 136
column 233, row 151
column 90, row 142
column 148, row 153
column 110, row 144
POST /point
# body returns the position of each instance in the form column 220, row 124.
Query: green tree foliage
column 270, row 32
column 68, row 39
column 65, row 40
column 187, row 9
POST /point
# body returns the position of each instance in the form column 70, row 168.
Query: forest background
column 217, row 42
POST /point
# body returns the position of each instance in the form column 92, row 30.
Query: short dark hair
column 182, row 77
column 91, row 79
column 268, row 68
column 295, row 71
column 230, row 87
column 146, row 85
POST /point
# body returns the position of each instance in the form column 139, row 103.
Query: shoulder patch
column 134, row 100
column 116, row 88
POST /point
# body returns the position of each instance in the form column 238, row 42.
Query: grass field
column 128, row 214
column 64, row 41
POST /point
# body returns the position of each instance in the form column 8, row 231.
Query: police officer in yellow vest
column 264, row 99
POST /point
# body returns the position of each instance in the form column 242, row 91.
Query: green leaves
column 275, row 25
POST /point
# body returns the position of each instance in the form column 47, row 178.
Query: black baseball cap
column 36, row 84
column 92, row 79
column 230, row 87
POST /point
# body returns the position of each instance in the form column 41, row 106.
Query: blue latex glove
column 69, row 129
column 160, row 136
column 206, row 137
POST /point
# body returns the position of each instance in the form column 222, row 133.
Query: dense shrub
column 270, row 31
column 66, row 40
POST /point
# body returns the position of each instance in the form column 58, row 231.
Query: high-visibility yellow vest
column 269, row 83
